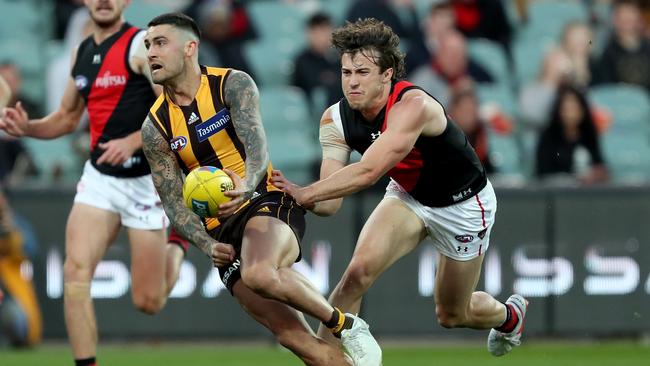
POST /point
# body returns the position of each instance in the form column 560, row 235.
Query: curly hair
column 371, row 35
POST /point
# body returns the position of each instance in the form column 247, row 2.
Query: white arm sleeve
column 332, row 138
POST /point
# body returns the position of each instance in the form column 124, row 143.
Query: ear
column 387, row 76
column 191, row 48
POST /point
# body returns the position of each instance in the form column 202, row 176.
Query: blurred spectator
column 448, row 67
column 63, row 10
column 571, row 62
column 464, row 110
column 318, row 65
column 626, row 58
column 569, row 147
column 12, row 75
column 483, row 19
column 400, row 15
column 439, row 20
column 14, row 159
column 226, row 26
column 21, row 315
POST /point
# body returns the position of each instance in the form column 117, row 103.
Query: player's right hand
column 14, row 121
column 222, row 254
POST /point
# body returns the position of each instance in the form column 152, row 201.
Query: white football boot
column 360, row 345
column 500, row 343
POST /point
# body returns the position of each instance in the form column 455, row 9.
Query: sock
column 511, row 320
column 175, row 238
column 86, row 362
column 338, row 322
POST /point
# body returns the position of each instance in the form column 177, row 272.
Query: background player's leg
column 154, row 268
column 289, row 328
column 391, row 231
column 89, row 232
column 457, row 302
column 269, row 248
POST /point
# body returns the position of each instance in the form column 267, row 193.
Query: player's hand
column 222, row 254
column 280, row 181
column 238, row 196
column 116, row 151
column 14, row 121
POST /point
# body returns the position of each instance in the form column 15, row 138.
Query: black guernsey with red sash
column 439, row 171
column 118, row 99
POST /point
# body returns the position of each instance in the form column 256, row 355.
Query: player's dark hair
column 179, row 20
column 318, row 19
column 367, row 35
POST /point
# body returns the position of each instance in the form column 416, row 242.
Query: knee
column 262, row 279
column 450, row 318
column 357, row 279
column 149, row 303
column 76, row 271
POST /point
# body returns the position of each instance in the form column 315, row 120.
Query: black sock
column 347, row 324
column 86, row 362
column 334, row 320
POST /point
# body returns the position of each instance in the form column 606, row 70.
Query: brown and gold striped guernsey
column 203, row 133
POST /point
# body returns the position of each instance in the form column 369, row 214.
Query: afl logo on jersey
column 178, row 143
column 80, row 82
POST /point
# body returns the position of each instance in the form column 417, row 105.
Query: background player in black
column 437, row 188
column 270, row 290
column 116, row 188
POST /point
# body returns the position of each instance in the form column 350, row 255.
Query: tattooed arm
column 166, row 176
column 243, row 100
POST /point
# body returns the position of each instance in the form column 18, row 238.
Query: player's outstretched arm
column 242, row 98
column 166, row 176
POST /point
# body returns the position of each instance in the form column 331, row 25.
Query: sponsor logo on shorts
column 200, row 208
column 234, row 266
column 264, row 209
column 178, row 143
column 464, row 238
column 142, row 207
column 461, row 195
column 213, row 125
column 482, row 233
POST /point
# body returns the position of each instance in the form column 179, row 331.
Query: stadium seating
column 140, row 12
column 627, row 156
column 629, row 106
column 295, row 153
column 547, row 19
column 271, row 60
column 285, row 109
column 491, row 56
column 504, row 154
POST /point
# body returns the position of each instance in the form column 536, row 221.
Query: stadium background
column 579, row 253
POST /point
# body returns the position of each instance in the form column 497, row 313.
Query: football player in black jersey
column 438, row 187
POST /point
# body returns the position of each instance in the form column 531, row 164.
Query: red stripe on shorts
column 482, row 210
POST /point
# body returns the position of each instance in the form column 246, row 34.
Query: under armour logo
column 97, row 59
column 375, row 135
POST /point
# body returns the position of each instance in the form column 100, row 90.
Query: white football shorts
column 460, row 231
column 134, row 199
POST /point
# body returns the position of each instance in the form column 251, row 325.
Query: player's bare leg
column 269, row 248
column 391, row 231
column 457, row 302
column 289, row 328
column 154, row 268
column 89, row 232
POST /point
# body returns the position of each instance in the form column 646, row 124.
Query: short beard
column 104, row 24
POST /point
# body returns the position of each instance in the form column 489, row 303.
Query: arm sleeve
column 333, row 143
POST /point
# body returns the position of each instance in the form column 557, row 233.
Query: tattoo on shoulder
column 242, row 98
column 166, row 175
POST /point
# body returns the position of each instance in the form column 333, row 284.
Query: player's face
column 363, row 83
column 106, row 12
column 165, row 52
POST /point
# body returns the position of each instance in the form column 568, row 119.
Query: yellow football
column 204, row 188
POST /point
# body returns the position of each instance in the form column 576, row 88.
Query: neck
column 183, row 88
column 571, row 133
column 101, row 33
column 377, row 104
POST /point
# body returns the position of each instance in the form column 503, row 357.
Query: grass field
column 530, row 354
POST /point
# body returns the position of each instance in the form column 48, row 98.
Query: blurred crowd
column 534, row 89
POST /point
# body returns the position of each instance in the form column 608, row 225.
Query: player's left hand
column 297, row 192
column 116, row 151
column 238, row 196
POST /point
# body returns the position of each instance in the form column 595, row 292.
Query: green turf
column 531, row 354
